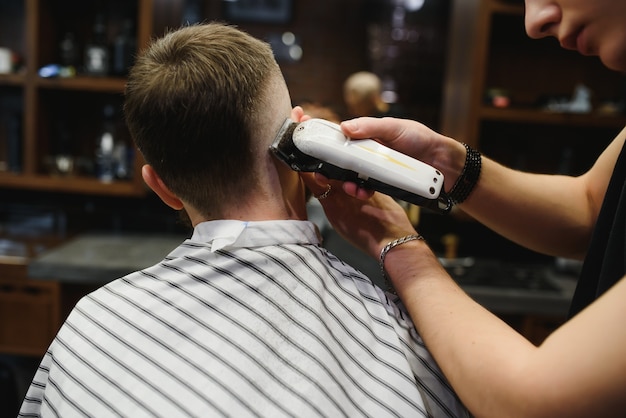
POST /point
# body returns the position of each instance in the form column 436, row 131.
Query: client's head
column 202, row 104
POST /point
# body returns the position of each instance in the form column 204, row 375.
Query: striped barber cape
column 242, row 319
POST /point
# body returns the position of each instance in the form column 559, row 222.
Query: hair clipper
column 317, row 145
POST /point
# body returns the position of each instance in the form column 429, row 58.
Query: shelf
column 72, row 184
column 15, row 79
column 84, row 83
column 507, row 7
column 544, row 117
column 41, row 117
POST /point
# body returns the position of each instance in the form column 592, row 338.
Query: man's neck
column 259, row 209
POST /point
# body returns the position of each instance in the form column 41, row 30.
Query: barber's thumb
column 313, row 180
column 350, row 127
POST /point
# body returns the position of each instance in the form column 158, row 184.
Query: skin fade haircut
column 191, row 100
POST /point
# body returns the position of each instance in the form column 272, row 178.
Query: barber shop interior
column 76, row 213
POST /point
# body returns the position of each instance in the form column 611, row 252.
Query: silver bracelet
column 389, row 247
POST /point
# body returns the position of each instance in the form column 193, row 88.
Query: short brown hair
column 190, row 101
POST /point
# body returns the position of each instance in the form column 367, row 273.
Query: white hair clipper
column 317, row 145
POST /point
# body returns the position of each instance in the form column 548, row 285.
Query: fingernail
column 351, row 124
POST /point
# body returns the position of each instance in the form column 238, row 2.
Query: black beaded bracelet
column 468, row 178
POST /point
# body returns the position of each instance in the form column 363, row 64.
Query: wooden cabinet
column 489, row 51
column 44, row 117
column 30, row 312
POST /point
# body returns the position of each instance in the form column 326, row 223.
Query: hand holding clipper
column 317, row 145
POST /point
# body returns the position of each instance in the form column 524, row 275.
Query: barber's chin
column 615, row 65
column 614, row 59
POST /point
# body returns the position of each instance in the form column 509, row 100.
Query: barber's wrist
column 412, row 266
column 398, row 252
column 468, row 177
column 449, row 159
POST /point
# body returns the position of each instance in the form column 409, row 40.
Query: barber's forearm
column 546, row 213
column 460, row 333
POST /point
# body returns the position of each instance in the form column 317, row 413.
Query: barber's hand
column 297, row 114
column 368, row 224
column 411, row 138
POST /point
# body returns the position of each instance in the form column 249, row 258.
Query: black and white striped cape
column 243, row 319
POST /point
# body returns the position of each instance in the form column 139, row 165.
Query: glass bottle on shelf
column 124, row 48
column 68, row 52
column 105, row 160
column 14, row 142
column 97, row 55
column 62, row 159
column 113, row 156
column 68, row 49
column 10, row 140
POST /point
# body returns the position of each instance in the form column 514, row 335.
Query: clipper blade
column 285, row 149
column 283, row 145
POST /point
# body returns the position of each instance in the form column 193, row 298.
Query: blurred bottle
column 114, row 155
column 105, row 160
column 62, row 151
column 14, row 142
column 122, row 160
column 124, row 49
column 68, row 48
column 97, row 55
column 68, row 52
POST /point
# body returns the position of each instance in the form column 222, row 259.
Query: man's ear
column 153, row 181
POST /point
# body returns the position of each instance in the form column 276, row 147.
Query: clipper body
column 317, row 145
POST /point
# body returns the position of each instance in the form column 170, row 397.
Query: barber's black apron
column 605, row 263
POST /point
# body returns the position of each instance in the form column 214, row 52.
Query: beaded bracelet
column 389, row 247
column 468, row 177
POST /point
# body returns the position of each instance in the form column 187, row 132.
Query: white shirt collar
column 231, row 233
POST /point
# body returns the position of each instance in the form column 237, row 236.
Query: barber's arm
column 578, row 371
column 550, row 214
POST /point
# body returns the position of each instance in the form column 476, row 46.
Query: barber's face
column 591, row 27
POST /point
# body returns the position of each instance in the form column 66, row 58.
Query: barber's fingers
column 311, row 182
column 317, row 184
column 384, row 129
column 352, row 189
column 297, row 114
column 320, row 185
